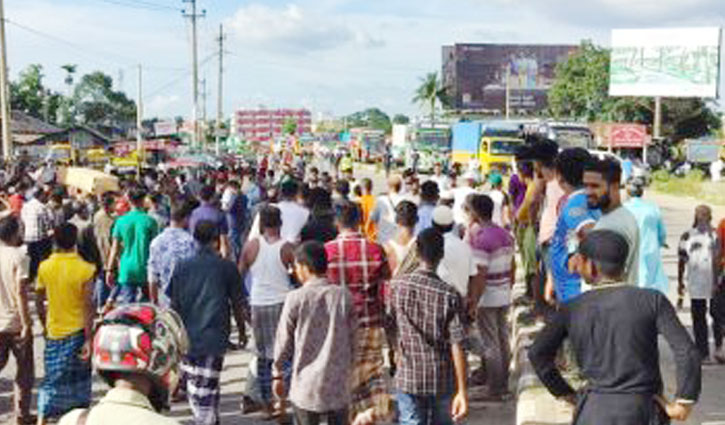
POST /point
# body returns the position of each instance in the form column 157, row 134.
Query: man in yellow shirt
column 66, row 281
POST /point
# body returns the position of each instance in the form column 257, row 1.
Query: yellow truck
column 492, row 143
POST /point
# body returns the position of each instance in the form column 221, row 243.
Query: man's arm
column 284, row 346
column 88, row 316
column 459, row 408
column 249, row 254
column 240, row 307
column 40, row 307
column 681, row 264
column 542, row 355
column 25, row 320
column 476, row 288
column 288, row 255
column 224, row 246
column 111, row 262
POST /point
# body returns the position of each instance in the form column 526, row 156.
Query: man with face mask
column 602, row 183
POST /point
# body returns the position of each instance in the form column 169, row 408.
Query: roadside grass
column 691, row 185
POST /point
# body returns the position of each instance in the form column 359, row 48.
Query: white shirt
column 498, row 198
column 457, row 265
column 442, row 181
column 698, row 249
column 270, row 282
column 459, row 199
column 294, row 218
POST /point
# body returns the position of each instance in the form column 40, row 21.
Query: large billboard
column 666, row 62
column 478, row 75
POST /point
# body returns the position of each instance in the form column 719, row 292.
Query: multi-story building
column 480, row 77
column 261, row 124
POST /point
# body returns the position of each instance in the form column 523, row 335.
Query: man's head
column 635, row 188
column 429, row 192
column 495, row 180
column 180, row 213
column 206, row 234
column 288, row 190
column 367, row 185
column 234, row 185
column 108, row 201
column 137, row 196
column 395, row 184
column 347, row 175
column 342, row 187
column 703, row 217
column 479, row 207
column 601, row 181
column 570, row 166
column 437, row 168
column 604, row 256
column 443, row 219
column 310, row 261
column 348, row 216
column 10, row 231
column 406, row 214
column 270, row 219
column 65, row 237
column 430, row 248
column 207, row 193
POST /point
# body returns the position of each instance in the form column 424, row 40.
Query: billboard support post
column 508, row 92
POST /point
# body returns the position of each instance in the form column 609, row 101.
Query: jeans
column 424, row 409
column 128, row 294
column 306, row 417
column 699, row 325
column 101, row 291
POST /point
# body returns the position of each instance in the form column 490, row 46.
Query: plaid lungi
column 369, row 389
column 203, row 375
column 264, row 328
column 67, row 382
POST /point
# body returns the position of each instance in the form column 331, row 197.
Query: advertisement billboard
column 666, row 62
column 478, row 75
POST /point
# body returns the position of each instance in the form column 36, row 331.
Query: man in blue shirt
column 574, row 218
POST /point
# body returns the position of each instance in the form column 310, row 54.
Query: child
column 698, row 252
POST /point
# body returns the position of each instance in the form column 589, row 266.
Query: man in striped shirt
column 490, row 295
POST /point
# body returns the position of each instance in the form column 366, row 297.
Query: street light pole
column 193, row 16
column 4, row 92
column 139, row 120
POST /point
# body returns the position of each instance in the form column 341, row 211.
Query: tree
column 430, row 92
column 27, row 94
column 289, row 126
column 581, row 91
column 98, row 105
column 400, row 119
column 371, row 118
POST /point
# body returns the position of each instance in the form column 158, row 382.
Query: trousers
column 24, row 370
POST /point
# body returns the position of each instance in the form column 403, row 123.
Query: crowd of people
column 363, row 307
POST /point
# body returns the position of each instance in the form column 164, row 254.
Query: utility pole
column 508, row 92
column 203, row 114
column 657, row 132
column 139, row 121
column 4, row 92
column 193, row 16
column 219, row 100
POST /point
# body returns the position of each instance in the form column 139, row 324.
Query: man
column 602, row 182
column 517, row 189
column 16, row 326
column 360, row 265
column 613, row 330
column 132, row 235
column 234, row 205
column 460, row 194
column 139, row 389
column 573, row 217
column 267, row 258
column 66, row 281
column 440, row 179
column 207, row 211
column 501, row 207
column 167, row 250
column 367, row 204
column 426, row 315
column 383, row 215
column 294, row 215
column 457, row 268
column 321, row 356
column 490, row 296
column 526, row 215
column 38, row 224
column 428, row 199
column 205, row 289
column 552, row 196
column 653, row 237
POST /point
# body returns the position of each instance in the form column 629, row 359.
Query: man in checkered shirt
column 426, row 312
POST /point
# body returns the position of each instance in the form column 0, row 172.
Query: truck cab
column 499, row 143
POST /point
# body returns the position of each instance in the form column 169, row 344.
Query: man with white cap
column 457, row 267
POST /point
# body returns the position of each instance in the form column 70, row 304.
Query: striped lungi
column 203, row 375
column 264, row 328
column 67, row 382
column 369, row 389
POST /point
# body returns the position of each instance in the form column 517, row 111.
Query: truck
column 565, row 134
column 431, row 145
column 492, row 143
column 368, row 144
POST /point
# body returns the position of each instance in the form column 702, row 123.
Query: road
column 678, row 213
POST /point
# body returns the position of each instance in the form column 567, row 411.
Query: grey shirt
column 623, row 222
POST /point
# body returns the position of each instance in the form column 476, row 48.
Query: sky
column 331, row 56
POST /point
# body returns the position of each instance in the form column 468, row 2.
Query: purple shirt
column 208, row 212
column 517, row 191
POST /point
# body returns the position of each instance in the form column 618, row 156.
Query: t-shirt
column 493, row 248
column 547, row 225
column 135, row 231
column 64, row 276
column 14, row 266
column 457, row 265
column 623, row 222
column 574, row 215
column 498, row 199
column 698, row 249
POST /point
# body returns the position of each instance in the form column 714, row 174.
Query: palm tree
column 431, row 91
column 70, row 69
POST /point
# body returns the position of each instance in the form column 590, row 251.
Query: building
column 79, row 137
column 258, row 125
column 478, row 76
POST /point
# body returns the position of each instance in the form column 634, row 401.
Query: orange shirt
column 367, row 203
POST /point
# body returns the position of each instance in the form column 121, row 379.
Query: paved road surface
column 678, row 216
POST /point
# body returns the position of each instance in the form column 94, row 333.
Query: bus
column 431, row 145
column 565, row 134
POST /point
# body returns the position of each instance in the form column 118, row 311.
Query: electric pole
column 220, row 104
column 139, row 121
column 4, row 92
column 203, row 114
column 193, row 16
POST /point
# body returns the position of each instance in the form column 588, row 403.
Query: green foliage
column 29, row 94
column 371, row 118
column 693, row 184
column 430, row 92
column 97, row 104
column 400, row 119
column 581, row 91
column 289, row 127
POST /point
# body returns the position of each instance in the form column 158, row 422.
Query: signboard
column 164, row 128
column 703, row 151
column 667, row 62
column 624, row 135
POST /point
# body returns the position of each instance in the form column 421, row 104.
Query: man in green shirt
column 132, row 234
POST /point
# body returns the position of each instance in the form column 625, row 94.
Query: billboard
column 667, row 62
column 164, row 128
column 478, row 75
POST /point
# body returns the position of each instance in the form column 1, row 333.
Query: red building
column 259, row 125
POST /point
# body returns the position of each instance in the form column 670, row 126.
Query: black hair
column 270, row 217
column 136, row 195
column 608, row 168
column 181, row 210
column 608, row 250
column 108, row 199
column 312, row 254
column 207, row 193
column 442, row 229
column 206, row 232
column 65, row 236
column 320, row 200
column 481, row 205
column 9, row 228
column 429, row 192
column 288, row 189
column 570, row 165
column 406, row 214
column 430, row 246
column 235, row 184
column 367, row 184
column 343, row 188
column 348, row 214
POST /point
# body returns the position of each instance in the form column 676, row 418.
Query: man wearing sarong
column 66, row 281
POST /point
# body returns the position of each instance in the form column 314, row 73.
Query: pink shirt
column 554, row 193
